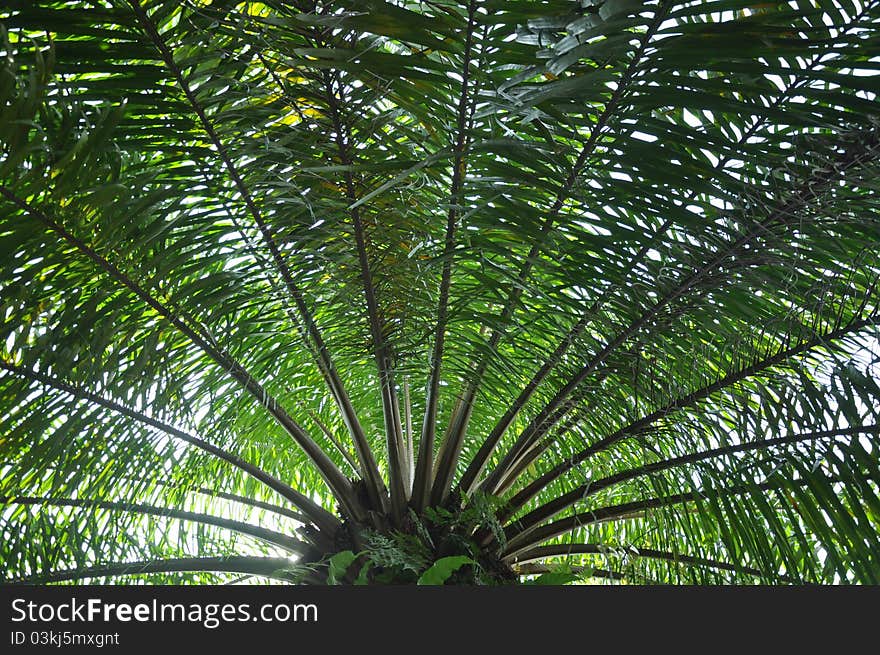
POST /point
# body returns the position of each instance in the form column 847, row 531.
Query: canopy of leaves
column 572, row 287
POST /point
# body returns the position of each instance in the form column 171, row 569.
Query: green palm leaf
column 571, row 289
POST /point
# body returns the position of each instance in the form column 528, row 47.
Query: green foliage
column 404, row 556
column 420, row 555
column 338, row 565
column 441, row 570
column 560, row 574
column 343, row 292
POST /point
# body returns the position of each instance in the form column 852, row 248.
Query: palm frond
column 619, row 260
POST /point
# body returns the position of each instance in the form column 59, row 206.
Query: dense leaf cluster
column 340, row 290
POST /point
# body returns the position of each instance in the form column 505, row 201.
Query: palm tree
column 440, row 291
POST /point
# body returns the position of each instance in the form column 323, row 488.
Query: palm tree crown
column 460, row 291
